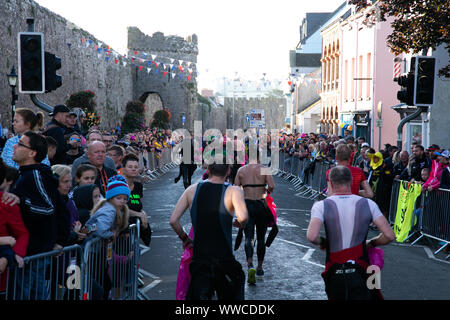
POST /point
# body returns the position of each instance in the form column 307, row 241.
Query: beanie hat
column 117, row 185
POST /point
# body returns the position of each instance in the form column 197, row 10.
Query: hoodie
column 44, row 211
column 82, row 197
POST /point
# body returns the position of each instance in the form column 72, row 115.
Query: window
column 352, row 85
column 345, row 80
column 368, row 72
column 360, row 73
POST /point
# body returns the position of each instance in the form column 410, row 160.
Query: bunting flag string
column 139, row 59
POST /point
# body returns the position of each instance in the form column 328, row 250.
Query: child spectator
column 12, row 174
column 110, row 216
column 86, row 197
column 85, row 174
column 425, row 174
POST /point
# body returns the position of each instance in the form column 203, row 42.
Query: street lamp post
column 12, row 79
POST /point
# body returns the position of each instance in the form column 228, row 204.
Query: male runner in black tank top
column 213, row 267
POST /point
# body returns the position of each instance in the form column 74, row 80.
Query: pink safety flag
column 184, row 276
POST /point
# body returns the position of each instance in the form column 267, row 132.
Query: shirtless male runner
column 254, row 185
column 212, row 205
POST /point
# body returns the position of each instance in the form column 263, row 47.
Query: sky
column 244, row 38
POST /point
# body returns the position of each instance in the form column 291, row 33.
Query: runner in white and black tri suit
column 212, row 205
column 346, row 218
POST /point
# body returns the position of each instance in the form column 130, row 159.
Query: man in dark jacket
column 419, row 162
column 57, row 129
column 43, row 210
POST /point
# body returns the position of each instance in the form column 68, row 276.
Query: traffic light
column 406, row 94
column 424, row 81
column 52, row 80
column 31, row 62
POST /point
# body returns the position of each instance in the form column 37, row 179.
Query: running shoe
column 251, row 279
column 259, row 272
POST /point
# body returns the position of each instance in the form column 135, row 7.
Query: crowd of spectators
column 427, row 166
column 53, row 178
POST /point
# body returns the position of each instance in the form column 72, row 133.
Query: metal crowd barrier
column 159, row 163
column 111, row 267
column 43, row 276
column 95, row 270
column 308, row 177
column 434, row 218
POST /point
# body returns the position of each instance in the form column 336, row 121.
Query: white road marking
column 151, row 285
column 308, row 255
column 148, row 274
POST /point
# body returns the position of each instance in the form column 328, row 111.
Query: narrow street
column 292, row 265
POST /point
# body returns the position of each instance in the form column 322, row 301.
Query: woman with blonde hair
column 24, row 120
column 110, row 216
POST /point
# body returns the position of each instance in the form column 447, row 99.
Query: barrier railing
column 158, row 163
column 96, row 270
column 433, row 215
column 307, row 175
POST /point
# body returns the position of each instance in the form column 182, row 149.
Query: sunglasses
column 24, row 145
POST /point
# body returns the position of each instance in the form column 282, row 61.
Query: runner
column 254, row 185
column 212, row 204
column 346, row 218
column 360, row 185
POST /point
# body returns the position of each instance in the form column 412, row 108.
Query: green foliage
column 417, row 25
column 82, row 99
column 160, row 119
column 134, row 118
column 204, row 101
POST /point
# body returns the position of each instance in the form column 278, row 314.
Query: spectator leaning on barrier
column 110, row 215
column 13, row 234
column 417, row 163
column 434, row 180
column 42, row 207
column 444, row 157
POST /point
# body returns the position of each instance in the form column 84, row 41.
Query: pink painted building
column 368, row 89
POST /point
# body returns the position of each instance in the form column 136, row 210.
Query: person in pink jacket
column 434, row 180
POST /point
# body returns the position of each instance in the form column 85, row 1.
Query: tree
column 134, row 118
column 160, row 119
column 82, row 99
column 418, row 24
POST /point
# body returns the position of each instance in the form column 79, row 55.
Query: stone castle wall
column 85, row 68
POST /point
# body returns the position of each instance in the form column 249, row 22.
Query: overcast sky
column 250, row 37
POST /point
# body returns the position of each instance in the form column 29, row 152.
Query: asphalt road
column 292, row 265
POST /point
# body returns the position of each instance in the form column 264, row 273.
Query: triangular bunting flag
column 173, row 75
column 165, row 73
column 181, row 77
column 148, row 70
column 124, row 63
column 116, row 61
column 153, row 56
column 140, row 68
column 107, row 59
column 156, row 71
column 189, row 78
column 181, row 62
